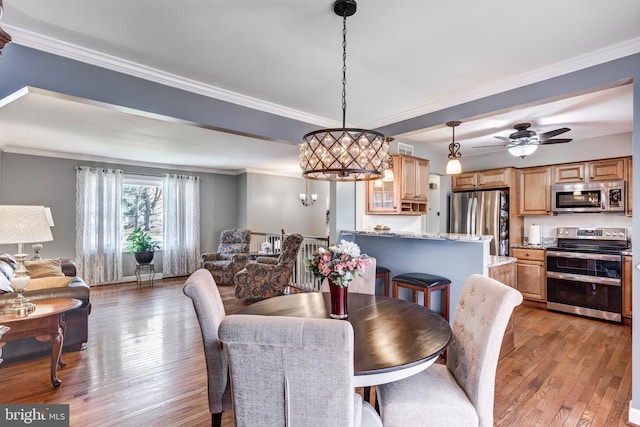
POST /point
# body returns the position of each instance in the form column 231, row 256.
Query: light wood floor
column 144, row 366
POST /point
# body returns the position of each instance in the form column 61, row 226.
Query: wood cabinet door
column 535, row 191
column 494, row 178
column 505, row 273
column 464, row 181
column 606, row 170
column 408, row 167
column 627, row 285
column 381, row 197
column 569, row 173
column 530, row 280
column 422, row 180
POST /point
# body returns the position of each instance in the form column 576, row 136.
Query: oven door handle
column 582, row 278
column 583, row 255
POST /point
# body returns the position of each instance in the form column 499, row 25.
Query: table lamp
column 22, row 224
column 37, row 247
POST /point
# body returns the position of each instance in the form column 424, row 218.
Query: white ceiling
column 404, row 58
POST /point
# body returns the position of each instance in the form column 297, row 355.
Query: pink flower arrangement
column 340, row 264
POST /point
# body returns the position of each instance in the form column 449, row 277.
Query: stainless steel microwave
column 608, row 196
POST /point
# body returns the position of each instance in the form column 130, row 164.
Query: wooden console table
column 46, row 323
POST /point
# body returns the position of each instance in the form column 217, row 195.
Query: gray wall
column 273, row 201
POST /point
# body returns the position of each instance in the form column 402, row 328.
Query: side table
column 145, row 268
column 45, row 323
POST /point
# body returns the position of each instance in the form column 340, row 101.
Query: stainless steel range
column 584, row 272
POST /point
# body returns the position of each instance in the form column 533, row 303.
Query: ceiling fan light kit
column 344, row 154
column 454, row 166
column 524, row 142
column 522, row 151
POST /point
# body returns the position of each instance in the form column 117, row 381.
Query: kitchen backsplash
column 394, row 222
column 548, row 224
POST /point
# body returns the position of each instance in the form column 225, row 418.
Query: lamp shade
column 454, row 167
column 24, row 224
column 49, row 216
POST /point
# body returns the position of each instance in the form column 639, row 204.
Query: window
column 141, row 207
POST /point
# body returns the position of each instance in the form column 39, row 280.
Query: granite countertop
column 497, row 261
column 422, row 236
column 529, row 246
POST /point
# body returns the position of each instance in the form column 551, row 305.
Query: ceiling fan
column 525, row 141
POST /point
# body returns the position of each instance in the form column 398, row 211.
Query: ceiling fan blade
column 553, row 133
column 504, row 138
column 491, row 145
column 556, row 141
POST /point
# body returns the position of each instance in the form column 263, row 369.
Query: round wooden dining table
column 393, row 339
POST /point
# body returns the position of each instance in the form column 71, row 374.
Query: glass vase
column 338, row 301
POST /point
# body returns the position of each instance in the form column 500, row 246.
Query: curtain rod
column 136, row 173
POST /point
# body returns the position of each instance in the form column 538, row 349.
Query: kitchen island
column 454, row 256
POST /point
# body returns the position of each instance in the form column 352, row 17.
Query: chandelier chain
column 344, row 69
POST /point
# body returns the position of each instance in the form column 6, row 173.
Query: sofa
column 50, row 278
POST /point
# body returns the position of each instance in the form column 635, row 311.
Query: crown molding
column 78, row 53
column 104, row 159
column 577, row 63
column 68, row 50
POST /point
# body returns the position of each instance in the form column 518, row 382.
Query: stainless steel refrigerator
column 482, row 213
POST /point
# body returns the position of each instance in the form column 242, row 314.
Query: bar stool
column 422, row 282
column 383, row 273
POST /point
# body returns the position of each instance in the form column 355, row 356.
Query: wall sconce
column 306, row 199
column 453, row 165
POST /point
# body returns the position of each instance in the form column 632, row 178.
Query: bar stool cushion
column 422, row 279
column 381, row 270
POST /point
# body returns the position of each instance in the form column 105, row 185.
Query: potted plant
column 141, row 245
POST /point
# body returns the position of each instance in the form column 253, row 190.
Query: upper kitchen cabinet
column 535, row 191
column 483, row 180
column 600, row 170
column 408, row 194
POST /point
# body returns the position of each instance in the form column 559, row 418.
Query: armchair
column 231, row 256
column 267, row 277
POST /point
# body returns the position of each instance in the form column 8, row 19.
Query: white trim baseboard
column 634, row 414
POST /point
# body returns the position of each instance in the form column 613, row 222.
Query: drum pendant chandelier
column 344, row 154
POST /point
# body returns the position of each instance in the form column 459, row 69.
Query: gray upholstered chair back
column 289, row 371
column 481, row 318
column 236, row 240
column 202, row 290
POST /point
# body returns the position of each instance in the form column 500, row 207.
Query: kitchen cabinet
column 407, row 194
column 535, row 191
column 506, row 273
column 485, row 179
column 600, row 170
column 627, row 282
column 531, row 274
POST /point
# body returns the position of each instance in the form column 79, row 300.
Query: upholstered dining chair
column 202, row 290
column 461, row 392
column 294, row 372
column 268, row 277
column 232, row 255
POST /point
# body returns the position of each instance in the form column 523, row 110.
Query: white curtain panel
column 181, row 247
column 98, row 224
